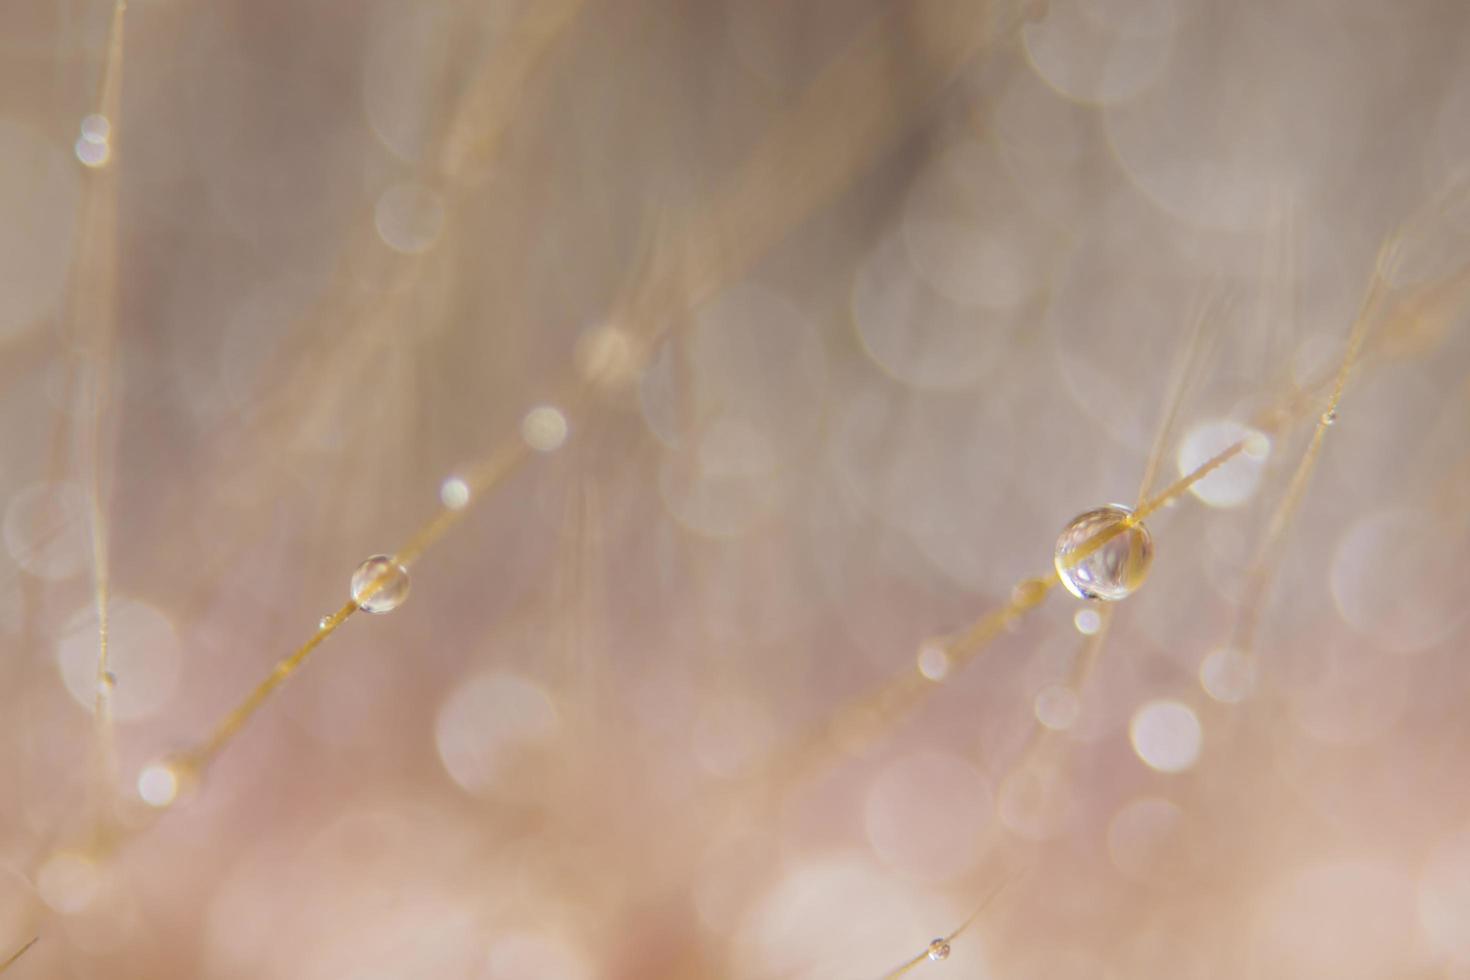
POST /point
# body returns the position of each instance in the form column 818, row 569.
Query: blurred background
column 805, row 329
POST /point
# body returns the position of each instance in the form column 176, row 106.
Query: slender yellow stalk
column 94, row 312
column 18, row 954
column 970, row 920
column 809, row 155
column 231, row 724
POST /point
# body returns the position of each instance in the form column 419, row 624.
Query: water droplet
column 409, row 217
column 46, row 532
column 454, row 493
column 158, row 785
column 933, row 662
column 1057, row 707
column 92, row 154
column 939, row 950
column 1329, row 416
column 68, row 881
column 379, row 585
column 1166, row 735
column 324, row 622
column 1227, row 675
column 1112, row 569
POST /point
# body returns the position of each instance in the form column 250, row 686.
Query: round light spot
column 1143, row 838
column 915, row 333
column 68, row 882
column 1393, row 578
column 970, row 237
column 1444, row 897
column 710, row 492
column 143, row 656
column 1166, row 735
column 1035, row 802
column 409, row 217
column 753, row 363
column 544, row 428
column 1227, row 675
column 95, row 128
column 1101, row 52
column 1234, row 482
column 606, row 356
column 46, row 530
column 1088, row 621
column 92, row 154
column 158, row 784
column 454, row 493
column 489, row 724
column 924, row 813
column 1057, row 707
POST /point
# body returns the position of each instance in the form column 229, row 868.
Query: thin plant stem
column 19, row 953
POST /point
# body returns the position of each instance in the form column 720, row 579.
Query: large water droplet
column 1112, row 569
column 379, row 585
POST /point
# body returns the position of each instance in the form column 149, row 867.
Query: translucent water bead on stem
column 1110, row 569
column 379, row 585
column 939, row 950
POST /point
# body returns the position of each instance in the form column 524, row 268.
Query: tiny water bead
column 379, row 585
column 454, row 493
column 1329, row 416
column 1110, row 569
column 939, row 950
column 92, row 148
column 933, row 662
column 159, row 784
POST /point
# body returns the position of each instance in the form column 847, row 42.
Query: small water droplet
column 92, row 154
column 1329, row 416
column 163, row 782
column 379, row 585
column 939, row 950
column 454, row 493
column 324, row 622
column 1112, row 569
column 933, row 662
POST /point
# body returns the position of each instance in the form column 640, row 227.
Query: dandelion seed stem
column 19, row 953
